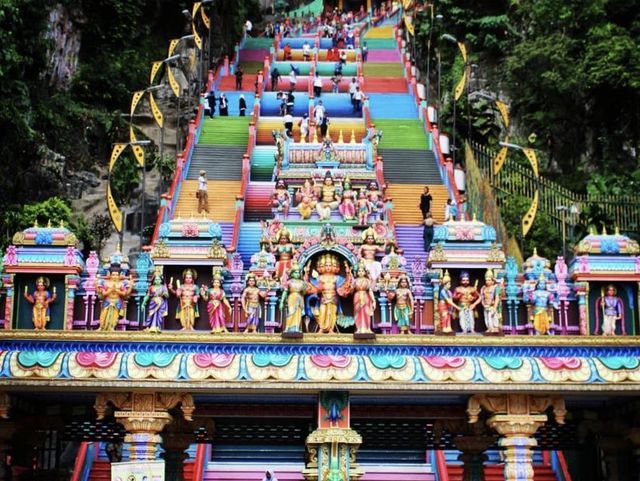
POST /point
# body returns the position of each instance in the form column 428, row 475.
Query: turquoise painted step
column 327, row 68
column 284, row 68
column 233, row 98
column 262, row 163
column 392, row 106
column 257, row 42
column 249, row 241
column 381, row 43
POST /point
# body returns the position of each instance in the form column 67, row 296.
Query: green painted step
column 402, row 134
column 257, row 43
column 262, row 163
column 316, row 7
column 373, row 69
column 225, row 131
column 381, row 43
column 250, row 66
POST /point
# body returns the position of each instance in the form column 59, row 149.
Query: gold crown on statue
column 191, row 272
column 489, row 274
column 43, row 280
column 369, row 232
column 283, row 233
column 446, row 277
column 249, row 276
column 328, row 260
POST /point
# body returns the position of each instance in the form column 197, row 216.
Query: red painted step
column 385, row 85
column 100, row 471
column 228, row 82
column 495, row 472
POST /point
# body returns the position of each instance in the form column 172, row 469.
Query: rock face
column 66, row 46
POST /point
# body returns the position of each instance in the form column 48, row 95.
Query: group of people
column 210, row 101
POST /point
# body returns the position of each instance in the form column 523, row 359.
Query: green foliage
column 54, row 210
column 125, row 177
column 92, row 234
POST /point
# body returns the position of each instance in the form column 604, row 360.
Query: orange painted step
column 222, row 200
column 406, row 198
column 100, row 471
column 385, row 84
column 228, row 82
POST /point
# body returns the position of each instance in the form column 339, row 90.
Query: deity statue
column 465, row 296
column 251, row 302
column 327, row 195
column 364, row 208
column 293, row 297
column 41, row 299
column 156, row 298
column 446, row 306
column 328, row 284
column 490, row 298
column 327, row 151
column 611, row 308
column 284, row 249
column 543, row 302
column 347, row 207
column 281, row 199
column 306, row 199
column 364, row 302
column 393, row 261
column 368, row 251
column 187, row 311
column 114, row 291
column 403, row 309
column 279, row 140
column 218, row 306
column 374, row 196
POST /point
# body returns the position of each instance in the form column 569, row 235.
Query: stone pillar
column 472, row 455
column 176, row 440
column 516, row 417
column 144, row 415
column 333, row 446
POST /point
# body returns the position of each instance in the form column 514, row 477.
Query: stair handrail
column 559, row 466
column 440, row 464
column 181, row 158
column 84, row 462
column 203, row 453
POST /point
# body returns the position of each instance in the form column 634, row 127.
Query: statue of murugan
column 329, row 285
column 187, row 311
column 113, row 291
column 41, row 300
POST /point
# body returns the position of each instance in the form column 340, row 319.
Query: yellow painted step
column 222, row 200
column 406, row 199
column 380, row 32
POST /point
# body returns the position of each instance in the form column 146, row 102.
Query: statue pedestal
column 493, row 334
column 442, row 333
column 292, row 335
column 332, row 455
column 358, row 336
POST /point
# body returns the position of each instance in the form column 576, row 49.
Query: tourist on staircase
column 242, row 105
column 304, row 127
column 365, row 52
column 269, row 476
column 427, row 233
column 425, row 202
column 306, row 51
column 358, row 96
column 224, row 106
column 239, row 74
column 201, row 194
column 317, row 86
column 211, row 98
column 318, row 113
column 275, row 76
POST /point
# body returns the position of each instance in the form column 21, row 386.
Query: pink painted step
column 253, row 55
column 383, row 56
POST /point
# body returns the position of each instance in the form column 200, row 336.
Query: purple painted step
column 383, row 56
column 409, row 238
column 253, row 55
column 227, row 232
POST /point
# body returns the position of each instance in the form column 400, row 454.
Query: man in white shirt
column 352, row 88
column 201, row 194
column 460, row 177
column 288, row 124
column 306, row 52
column 318, row 113
column 317, row 85
column 357, row 100
column 248, row 26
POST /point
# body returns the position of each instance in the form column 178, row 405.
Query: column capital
column 515, row 404
column 521, row 425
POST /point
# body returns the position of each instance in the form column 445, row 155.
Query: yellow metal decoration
column 138, row 152
column 461, row 84
column 529, row 217
column 114, row 212
column 196, row 7
column 504, row 112
column 155, row 66
column 132, row 134
column 408, row 21
column 172, row 46
column 115, row 154
column 157, row 114
column 135, row 99
column 533, row 160
column 173, row 83
column 205, row 18
column 498, row 162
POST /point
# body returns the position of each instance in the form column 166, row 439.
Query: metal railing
column 559, row 203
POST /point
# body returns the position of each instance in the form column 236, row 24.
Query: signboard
column 138, row 471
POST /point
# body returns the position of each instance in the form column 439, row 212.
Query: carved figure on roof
column 293, row 298
column 327, row 195
column 368, row 251
column 306, row 199
column 446, row 306
column 41, row 300
column 465, row 296
column 347, row 207
column 218, row 306
column 610, row 308
column 543, row 301
column 250, row 299
column 403, row 308
column 364, row 301
column 156, row 299
column 114, row 291
column 328, row 285
column 187, row 311
column 284, row 250
column 364, row 208
column 374, row 195
column 490, row 298
column 281, row 199
column 327, row 151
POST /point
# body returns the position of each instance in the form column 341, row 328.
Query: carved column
column 516, row 417
column 144, row 416
column 333, row 446
column 472, row 455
